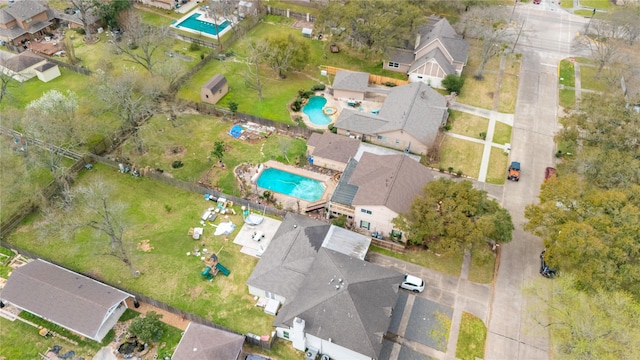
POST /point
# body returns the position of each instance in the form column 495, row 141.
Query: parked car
column 514, row 171
column 544, row 268
column 412, row 283
column 257, row 235
column 549, row 172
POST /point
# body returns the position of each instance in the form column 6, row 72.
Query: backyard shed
column 306, row 32
column 214, row 90
column 47, row 71
column 63, row 297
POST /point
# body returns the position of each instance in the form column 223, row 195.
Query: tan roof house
column 331, row 151
column 376, row 189
column 409, row 119
column 201, row 342
column 63, row 297
column 438, row 52
column 23, row 20
column 214, row 90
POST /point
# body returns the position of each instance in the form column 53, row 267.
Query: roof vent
column 337, row 287
column 340, row 280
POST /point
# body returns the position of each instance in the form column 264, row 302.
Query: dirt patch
column 175, row 150
column 145, row 246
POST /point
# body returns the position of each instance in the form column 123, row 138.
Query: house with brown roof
column 201, row 342
column 68, row 299
column 438, row 52
column 409, row 119
column 376, row 189
column 331, row 151
column 27, row 65
column 24, row 20
column 214, row 90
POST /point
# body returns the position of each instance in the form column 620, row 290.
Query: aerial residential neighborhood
column 348, row 180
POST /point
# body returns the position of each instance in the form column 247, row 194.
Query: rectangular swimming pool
column 197, row 25
column 291, row 184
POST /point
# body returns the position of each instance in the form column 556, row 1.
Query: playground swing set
column 213, row 267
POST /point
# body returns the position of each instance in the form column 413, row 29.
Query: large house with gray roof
column 333, row 301
column 331, row 151
column 438, row 51
column 63, row 297
column 409, row 120
column 376, row 189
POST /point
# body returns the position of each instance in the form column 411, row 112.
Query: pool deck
column 204, row 18
column 368, row 105
column 290, row 202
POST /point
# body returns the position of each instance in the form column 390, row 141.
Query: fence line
column 288, row 13
column 249, row 338
column 389, row 245
column 373, row 78
column 74, row 68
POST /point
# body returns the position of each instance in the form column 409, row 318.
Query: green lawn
column 481, row 269
column 466, row 124
column 478, row 92
column 598, row 4
column 585, row 13
column 501, row 133
column 496, row 173
column 461, row 155
column 567, row 73
column 567, row 98
column 471, row 339
column 192, row 142
column 566, row 4
column 589, row 81
column 34, row 88
column 451, row 265
column 168, row 274
column 508, row 93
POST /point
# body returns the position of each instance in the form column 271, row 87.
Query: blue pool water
column 291, row 184
column 194, row 24
column 313, row 109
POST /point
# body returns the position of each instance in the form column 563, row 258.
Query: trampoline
column 236, row 131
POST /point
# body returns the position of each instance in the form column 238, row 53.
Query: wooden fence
column 389, row 245
column 288, row 13
column 373, row 78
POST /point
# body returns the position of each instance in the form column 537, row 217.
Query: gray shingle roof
column 201, row 342
column 415, row 108
column 333, row 147
column 345, row 192
column 12, row 33
column 46, row 66
column 402, row 56
column 24, row 9
column 215, row 83
column 91, row 17
column 354, row 313
column 389, row 180
column 455, row 45
column 351, row 80
column 439, row 57
column 61, row 296
column 22, row 61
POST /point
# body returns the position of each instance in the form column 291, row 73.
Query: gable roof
column 46, row 66
column 415, row 108
column 354, row 313
column 62, row 296
column 22, row 61
column 401, row 56
column 439, row 57
column 333, row 147
column 351, row 81
column 454, row 44
column 201, row 342
column 22, row 10
column 215, row 83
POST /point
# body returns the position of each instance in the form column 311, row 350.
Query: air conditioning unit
column 311, row 354
column 325, row 357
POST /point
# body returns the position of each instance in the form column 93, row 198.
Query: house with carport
column 334, row 302
column 376, row 189
column 437, row 52
column 201, row 342
column 80, row 304
column 409, row 119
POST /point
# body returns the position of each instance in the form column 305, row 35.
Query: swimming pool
column 313, row 109
column 291, row 184
column 196, row 25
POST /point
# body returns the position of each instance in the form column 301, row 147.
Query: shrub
column 483, row 135
column 167, row 208
column 202, row 56
column 447, row 127
column 296, row 105
column 194, row 46
column 80, row 31
column 340, row 221
column 390, row 84
column 177, row 164
column 450, row 169
column 318, row 87
column 453, row 83
column 459, row 173
column 308, row 94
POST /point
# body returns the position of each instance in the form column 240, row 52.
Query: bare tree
column 67, row 45
column 628, row 18
column 491, row 26
column 604, row 43
column 252, row 78
column 140, row 41
column 86, row 10
column 5, row 80
column 215, row 11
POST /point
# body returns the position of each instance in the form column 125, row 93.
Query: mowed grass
column 468, row 124
column 481, row 269
column 161, row 215
column 496, row 172
column 501, row 133
column 567, row 98
column 192, row 142
column 451, row 265
column 597, row 4
column 471, row 338
column 34, row 88
column 567, row 73
column 478, row 93
column 508, row 94
column 589, row 80
column 461, row 155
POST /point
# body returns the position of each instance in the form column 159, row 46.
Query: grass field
column 481, row 269
column 461, row 155
column 162, row 215
column 471, row 339
column 502, row 133
column 589, row 81
column 478, row 93
column 467, row 124
column 451, row 265
column 496, row 173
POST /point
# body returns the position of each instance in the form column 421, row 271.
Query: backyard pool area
column 313, row 109
column 293, row 185
column 199, row 23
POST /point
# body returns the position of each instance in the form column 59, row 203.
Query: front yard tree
column 450, row 217
column 86, row 10
column 453, row 83
column 147, row 328
column 491, row 26
column 286, row 52
column 140, row 41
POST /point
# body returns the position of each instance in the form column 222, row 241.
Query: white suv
column 412, row 283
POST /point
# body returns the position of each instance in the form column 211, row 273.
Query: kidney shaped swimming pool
column 291, row 184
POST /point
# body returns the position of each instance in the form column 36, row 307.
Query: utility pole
column 588, row 24
column 518, row 37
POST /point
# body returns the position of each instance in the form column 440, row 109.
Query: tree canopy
column 147, row 328
column 451, row 216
